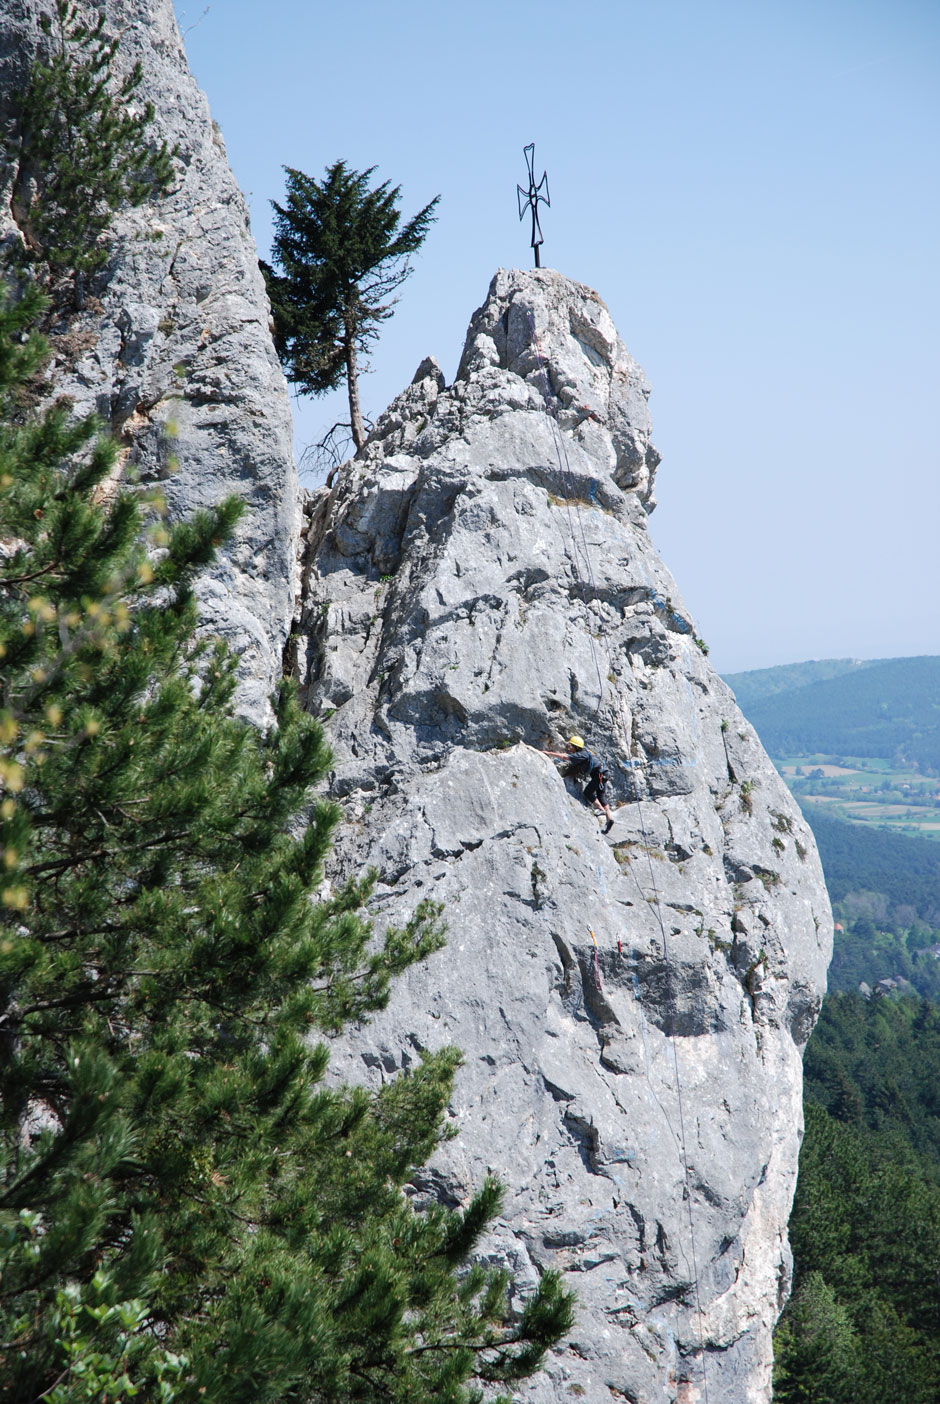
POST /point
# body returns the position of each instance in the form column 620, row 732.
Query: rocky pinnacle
column 479, row 583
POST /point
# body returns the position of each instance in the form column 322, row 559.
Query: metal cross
column 531, row 198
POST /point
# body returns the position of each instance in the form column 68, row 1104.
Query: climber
column 583, row 764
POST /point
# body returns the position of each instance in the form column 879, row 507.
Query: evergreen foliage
column 84, row 149
column 341, row 252
column 186, row 1210
column 874, row 1063
column 863, row 1324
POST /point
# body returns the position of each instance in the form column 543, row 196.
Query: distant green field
column 866, row 790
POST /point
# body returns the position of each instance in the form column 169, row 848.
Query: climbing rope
column 564, row 467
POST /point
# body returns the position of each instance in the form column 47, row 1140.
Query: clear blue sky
column 754, row 190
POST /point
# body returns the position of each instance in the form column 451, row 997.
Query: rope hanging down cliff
column 564, row 467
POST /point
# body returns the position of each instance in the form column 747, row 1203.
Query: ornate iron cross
column 531, row 198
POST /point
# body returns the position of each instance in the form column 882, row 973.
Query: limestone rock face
column 174, row 351
column 478, row 584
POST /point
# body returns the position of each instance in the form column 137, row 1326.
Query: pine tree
column 341, row 255
column 816, row 1349
column 186, row 1211
column 84, row 150
column 862, row 1325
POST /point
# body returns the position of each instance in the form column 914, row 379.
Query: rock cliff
column 479, row 583
column 174, row 351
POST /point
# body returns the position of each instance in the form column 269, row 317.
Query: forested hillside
column 890, row 708
column 885, row 890
column 855, row 858
column 758, row 684
column 862, row 1324
column 884, row 883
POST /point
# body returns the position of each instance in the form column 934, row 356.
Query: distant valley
column 860, row 739
column 858, row 743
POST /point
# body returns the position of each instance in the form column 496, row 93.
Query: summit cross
column 531, row 198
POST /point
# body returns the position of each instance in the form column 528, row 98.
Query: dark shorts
column 596, row 789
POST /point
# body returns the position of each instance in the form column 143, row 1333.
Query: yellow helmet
column 576, row 741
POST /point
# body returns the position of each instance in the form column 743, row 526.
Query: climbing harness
column 564, row 467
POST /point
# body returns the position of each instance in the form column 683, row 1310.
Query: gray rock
column 175, row 352
column 479, row 583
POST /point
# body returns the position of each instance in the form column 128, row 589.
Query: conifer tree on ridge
column 340, row 254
